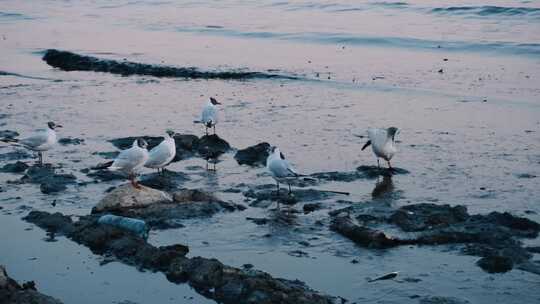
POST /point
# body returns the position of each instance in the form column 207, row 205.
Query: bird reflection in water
column 383, row 188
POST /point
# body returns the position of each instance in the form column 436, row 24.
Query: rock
column 161, row 210
column 49, row 180
column 15, row 155
column 208, row 277
column 8, row 134
column 310, row 207
column 443, row 300
column 55, row 222
column 496, row 264
column 253, row 155
column 362, row 235
column 212, row 146
column 126, row 142
column 127, row 196
column 68, row 61
column 258, row 220
column 420, row 217
column 171, row 180
column 17, row 167
column 492, row 236
column 13, row 293
column 70, row 141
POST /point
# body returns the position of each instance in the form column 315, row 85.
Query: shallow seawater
column 469, row 134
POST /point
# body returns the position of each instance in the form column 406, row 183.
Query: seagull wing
column 377, row 137
column 35, row 140
column 159, row 155
column 281, row 168
column 128, row 160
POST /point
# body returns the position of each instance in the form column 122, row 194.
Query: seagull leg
column 214, row 129
column 206, row 130
column 378, row 163
column 390, row 167
column 290, row 191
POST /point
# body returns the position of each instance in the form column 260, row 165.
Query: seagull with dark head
column 129, row 161
column 161, row 155
column 209, row 116
column 42, row 140
column 383, row 143
column 280, row 169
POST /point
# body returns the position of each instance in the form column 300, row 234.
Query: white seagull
column 382, row 142
column 162, row 154
column 41, row 141
column 209, row 117
column 280, row 169
column 129, row 161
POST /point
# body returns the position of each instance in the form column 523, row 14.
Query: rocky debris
column 13, row 293
column 362, row 172
column 443, row 300
column 169, row 181
column 253, row 155
column 187, row 145
column 310, row 207
column 258, row 220
column 161, row 210
column 46, row 176
column 212, row 146
column 70, row 141
column 127, row 196
column 8, row 134
column 69, row 61
column 263, row 195
column 208, row 277
column 16, row 167
column 492, row 237
column 15, row 155
column 428, row 216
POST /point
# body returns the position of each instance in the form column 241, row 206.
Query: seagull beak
column 58, row 126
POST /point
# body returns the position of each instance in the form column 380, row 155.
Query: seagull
column 209, row 115
column 382, row 142
column 280, row 169
column 162, row 154
column 42, row 140
column 131, row 160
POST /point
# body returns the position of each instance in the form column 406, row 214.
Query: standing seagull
column 382, row 142
column 280, row 169
column 131, row 160
column 162, row 154
column 42, row 140
column 209, row 115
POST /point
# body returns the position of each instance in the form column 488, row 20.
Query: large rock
column 127, row 196
column 254, row 155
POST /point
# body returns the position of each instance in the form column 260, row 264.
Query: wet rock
column 364, row 236
column 49, row 180
column 105, row 175
column 362, row 172
column 264, row 195
column 69, row 61
column 127, row 196
column 489, row 236
column 253, row 155
column 421, row 217
column 8, row 134
column 161, row 210
column 126, row 142
column 13, row 293
column 258, row 220
column 15, row 155
column 212, row 146
column 106, row 155
column 17, row 167
column 70, row 141
column 443, row 300
column 310, row 207
column 208, row 277
column 52, row 222
column 168, row 181
column 495, row 264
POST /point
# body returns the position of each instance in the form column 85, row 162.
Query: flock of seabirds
column 132, row 160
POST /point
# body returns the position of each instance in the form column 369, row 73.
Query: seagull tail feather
column 366, row 145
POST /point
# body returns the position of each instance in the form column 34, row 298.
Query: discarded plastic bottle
column 138, row 227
